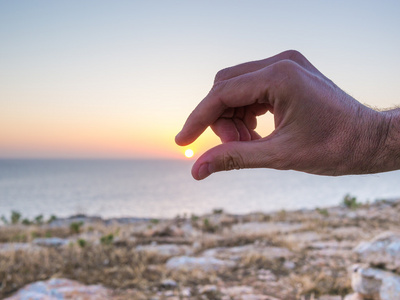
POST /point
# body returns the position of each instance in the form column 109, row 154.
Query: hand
column 319, row 129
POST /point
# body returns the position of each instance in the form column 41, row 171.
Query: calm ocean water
column 162, row 188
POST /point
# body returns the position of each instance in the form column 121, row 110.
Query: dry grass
column 138, row 275
column 112, row 266
column 24, row 234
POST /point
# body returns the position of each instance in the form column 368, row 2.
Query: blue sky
column 118, row 78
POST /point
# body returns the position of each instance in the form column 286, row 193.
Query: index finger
column 239, row 91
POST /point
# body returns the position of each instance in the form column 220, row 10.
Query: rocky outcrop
column 61, row 289
column 382, row 251
column 368, row 282
column 202, row 263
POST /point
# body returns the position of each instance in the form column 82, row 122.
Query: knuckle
column 287, row 66
column 295, row 55
column 233, row 161
column 222, row 75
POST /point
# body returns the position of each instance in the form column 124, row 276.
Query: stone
column 382, row 251
column 169, row 284
column 236, row 253
column 354, row 296
column 58, row 289
column 11, row 247
column 166, row 249
column 265, row 228
column 375, row 284
column 202, row 263
column 50, row 242
column 329, row 297
column 302, row 238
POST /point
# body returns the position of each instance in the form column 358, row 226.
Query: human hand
column 319, row 129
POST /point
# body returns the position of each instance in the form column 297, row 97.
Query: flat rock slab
column 236, row 253
column 60, row 289
column 265, row 228
column 383, row 250
column 166, row 249
column 12, row 247
column 51, row 242
column 375, row 284
column 202, row 263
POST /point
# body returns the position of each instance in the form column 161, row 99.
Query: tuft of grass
column 15, row 217
column 92, row 264
column 26, row 222
column 107, row 239
column 4, row 220
column 208, row 227
column 82, row 243
column 51, row 219
column 75, row 227
column 323, row 211
column 218, row 211
column 351, row 202
column 39, row 219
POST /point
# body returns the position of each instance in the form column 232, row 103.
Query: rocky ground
column 350, row 252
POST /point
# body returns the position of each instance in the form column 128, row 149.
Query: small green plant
column 26, row 221
column 82, row 243
column 155, row 221
column 35, row 234
column 15, row 217
column 282, row 214
column 351, row 202
column 48, row 234
column 208, row 226
column 107, row 239
column 218, row 211
column 4, row 220
column 19, row 238
column 51, row 219
column 75, row 227
column 39, row 219
column 323, row 211
column 194, row 218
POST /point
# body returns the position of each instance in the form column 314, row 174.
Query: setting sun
column 189, row 153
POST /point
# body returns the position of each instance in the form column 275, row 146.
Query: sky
column 117, row 79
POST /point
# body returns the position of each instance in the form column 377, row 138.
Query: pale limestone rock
column 329, row 297
column 203, row 263
column 348, row 232
column 169, row 284
column 12, row 247
column 265, row 228
column 51, row 242
column 375, row 284
column 303, row 238
column 166, row 249
column 383, row 250
column 243, row 293
column 355, row 296
column 236, row 253
column 61, row 289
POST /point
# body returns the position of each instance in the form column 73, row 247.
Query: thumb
column 234, row 155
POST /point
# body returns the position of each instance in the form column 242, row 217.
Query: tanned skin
column 319, row 129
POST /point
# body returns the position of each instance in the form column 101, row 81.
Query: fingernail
column 203, row 171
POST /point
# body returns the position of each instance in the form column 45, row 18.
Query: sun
column 189, row 153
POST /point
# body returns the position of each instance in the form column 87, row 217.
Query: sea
column 166, row 189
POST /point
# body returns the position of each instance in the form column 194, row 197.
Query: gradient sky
column 118, row 78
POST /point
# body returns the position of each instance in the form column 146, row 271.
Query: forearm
column 376, row 139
